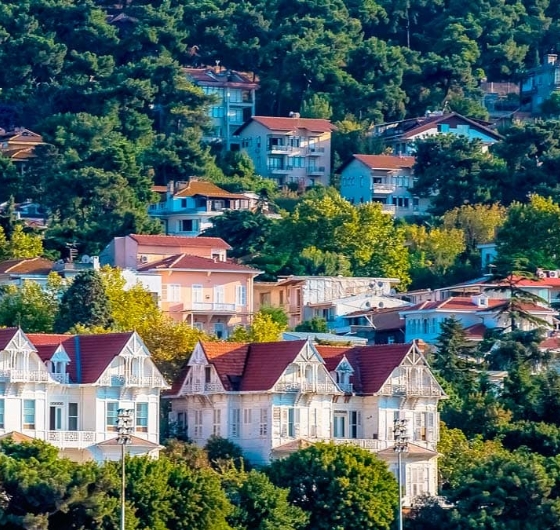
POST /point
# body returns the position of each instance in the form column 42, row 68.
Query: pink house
column 199, row 284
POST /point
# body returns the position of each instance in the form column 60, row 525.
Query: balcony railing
column 383, row 188
column 71, row 439
column 280, row 170
column 389, row 208
column 346, row 387
column 61, row 378
column 211, row 306
column 198, row 388
column 279, row 148
column 315, row 151
column 131, row 380
column 410, row 390
column 315, row 170
column 304, row 386
column 24, row 376
column 365, row 443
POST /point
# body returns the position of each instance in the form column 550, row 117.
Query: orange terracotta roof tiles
column 135, row 441
column 386, row 161
column 229, row 360
column 274, row 123
column 199, row 263
column 476, row 332
column 180, row 241
column 26, row 266
column 206, row 189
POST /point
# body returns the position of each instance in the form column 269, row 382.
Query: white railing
column 279, row 148
column 71, row 439
column 315, row 150
column 211, row 306
column 364, row 443
column 383, row 188
column 304, row 386
column 346, row 387
column 408, row 390
column 389, row 208
column 61, row 378
column 199, row 388
column 131, row 380
column 25, row 376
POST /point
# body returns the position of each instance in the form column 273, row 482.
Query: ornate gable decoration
column 20, row 343
column 198, row 356
column 60, row 355
column 344, row 366
column 135, row 347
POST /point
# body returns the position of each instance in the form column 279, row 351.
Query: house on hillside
column 289, row 150
column 234, row 104
column 327, row 297
column 274, row 398
column 187, row 208
column 16, row 271
column 400, row 136
column 378, row 326
column 422, row 321
column 199, row 284
column 385, row 179
column 540, row 83
column 18, row 145
column 67, row 390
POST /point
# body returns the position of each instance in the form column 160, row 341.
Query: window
column 263, row 425
column 247, row 416
column 220, row 330
column 217, row 111
column 197, row 423
column 72, row 416
column 339, row 424
column 217, row 427
column 183, row 203
column 189, row 225
column 235, row 95
column 219, row 294
column 112, row 415
column 182, row 423
column 171, row 292
column 236, row 115
column 424, row 426
column 298, row 161
column 197, row 292
column 28, row 413
column 294, row 141
column 281, row 295
column 207, row 374
column 142, row 417
column 241, row 295
column 235, row 422
column 355, row 423
column 275, row 162
column 418, row 481
column 1, row 413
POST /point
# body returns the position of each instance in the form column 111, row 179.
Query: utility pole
column 400, row 447
column 124, row 428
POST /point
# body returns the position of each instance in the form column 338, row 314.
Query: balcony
column 211, row 307
column 199, row 388
column 379, row 188
column 280, row 170
column 60, row 378
column 315, row 151
column 131, row 380
column 278, row 149
column 315, row 170
column 347, row 388
column 391, row 209
column 365, row 443
column 410, row 390
column 24, row 376
column 71, row 439
column 304, row 386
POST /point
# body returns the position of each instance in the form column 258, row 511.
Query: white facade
column 66, row 390
column 308, row 394
column 289, row 150
column 382, row 179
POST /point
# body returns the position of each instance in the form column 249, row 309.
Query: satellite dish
column 368, row 304
column 381, row 305
column 85, row 259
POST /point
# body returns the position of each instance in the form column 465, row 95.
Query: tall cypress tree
column 85, row 302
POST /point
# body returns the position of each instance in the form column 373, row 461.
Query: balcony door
column 55, row 418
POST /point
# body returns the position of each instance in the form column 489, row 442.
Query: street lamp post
column 400, row 447
column 124, row 428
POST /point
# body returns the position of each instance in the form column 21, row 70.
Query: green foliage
column 278, row 315
column 340, row 486
column 316, row 324
column 222, row 452
column 84, row 303
column 264, row 328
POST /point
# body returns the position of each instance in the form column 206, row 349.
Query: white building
column 66, row 390
column 289, row 150
column 385, row 179
column 274, row 398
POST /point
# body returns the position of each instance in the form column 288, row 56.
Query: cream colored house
column 67, row 390
column 275, row 398
column 289, row 150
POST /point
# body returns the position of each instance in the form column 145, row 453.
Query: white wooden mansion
column 275, row 398
column 67, row 389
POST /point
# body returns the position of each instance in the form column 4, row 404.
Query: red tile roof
column 135, row 441
column 6, row 335
column 454, row 303
column 206, row 189
column 26, row 266
column 198, row 263
column 180, row 241
column 386, row 161
column 266, row 362
column 290, row 124
column 229, row 360
column 372, row 364
column 476, row 332
column 93, row 353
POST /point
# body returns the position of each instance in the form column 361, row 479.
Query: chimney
column 294, row 115
column 551, row 58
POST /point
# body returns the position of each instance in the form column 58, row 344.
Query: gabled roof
column 135, row 441
column 267, row 361
column 206, row 189
column 290, row 124
column 372, row 364
column 453, row 303
column 382, row 319
column 89, row 354
column 228, row 359
column 382, row 162
column 186, row 262
column 6, row 335
column 17, row 437
column 26, row 266
column 411, row 127
column 180, row 241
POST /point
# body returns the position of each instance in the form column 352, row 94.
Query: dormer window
column 343, row 372
column 58, row 365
